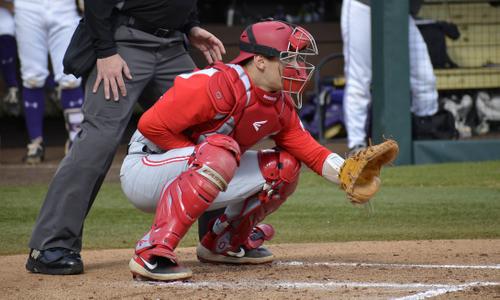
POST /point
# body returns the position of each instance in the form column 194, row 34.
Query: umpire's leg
column 80, row 174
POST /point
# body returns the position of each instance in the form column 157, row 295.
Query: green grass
column 446, row 201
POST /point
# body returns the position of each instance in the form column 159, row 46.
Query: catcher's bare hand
column 360, row 174
column 109, row 71
column 211, row 47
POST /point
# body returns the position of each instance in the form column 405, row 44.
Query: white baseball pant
column 144, row 177
column 6, row 22
column 44, row 27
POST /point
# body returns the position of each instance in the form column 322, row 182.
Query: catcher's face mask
column 291, row 44
column 297, row 70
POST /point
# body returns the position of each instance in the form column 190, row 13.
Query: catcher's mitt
column 360, row 174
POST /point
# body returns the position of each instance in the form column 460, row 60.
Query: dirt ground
column 444, row 269
column 448, row 269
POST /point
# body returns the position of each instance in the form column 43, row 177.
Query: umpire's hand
column 109, row 71
column 211, row 47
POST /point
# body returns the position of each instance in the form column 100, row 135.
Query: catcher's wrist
column 331, row 167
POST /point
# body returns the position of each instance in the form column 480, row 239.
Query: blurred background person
column 8, row 58
column 356, row 35
column 45, row 28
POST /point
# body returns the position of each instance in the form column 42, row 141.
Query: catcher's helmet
column 290, row 43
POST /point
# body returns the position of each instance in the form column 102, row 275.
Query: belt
column 139, row 148
column 149, row 28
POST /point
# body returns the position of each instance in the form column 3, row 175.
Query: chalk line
column 401, row 266
column 444, row 290
column 328, row 285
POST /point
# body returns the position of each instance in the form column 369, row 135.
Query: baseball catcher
column 191, row 154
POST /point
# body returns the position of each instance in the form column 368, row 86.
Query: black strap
column 259, row 49
column 253, row 47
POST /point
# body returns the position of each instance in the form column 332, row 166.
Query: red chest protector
column 246, row 113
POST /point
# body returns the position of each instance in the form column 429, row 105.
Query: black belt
column 145, row 149
column 148, row 28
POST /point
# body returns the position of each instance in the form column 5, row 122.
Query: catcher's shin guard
column 212, row 166
column 231, row 236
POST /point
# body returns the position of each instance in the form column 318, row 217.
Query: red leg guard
column 212, row 166
column 281, row 171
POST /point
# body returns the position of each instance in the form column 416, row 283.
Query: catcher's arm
column 359, row 175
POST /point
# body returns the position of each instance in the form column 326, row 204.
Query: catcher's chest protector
column 245, row 116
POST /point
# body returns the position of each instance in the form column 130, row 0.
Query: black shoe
column 256, row 256
column 54, row 261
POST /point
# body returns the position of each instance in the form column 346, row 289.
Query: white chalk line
column 328, row 285
column 401, row 266
column 443, row 290
column 430, row 290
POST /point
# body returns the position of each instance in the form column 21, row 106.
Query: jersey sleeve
column 184, row 105
column 299, row 142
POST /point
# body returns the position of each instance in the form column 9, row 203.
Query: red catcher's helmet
column 291, row 44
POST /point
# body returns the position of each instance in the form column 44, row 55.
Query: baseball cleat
column 260, row 255
column 213, row 248
column 157, row 268
column 11, row 102
column 54, row 261
column 35, row 153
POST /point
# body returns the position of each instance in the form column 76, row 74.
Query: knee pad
column 210, row 170
column 216, row 159
column 281, row 171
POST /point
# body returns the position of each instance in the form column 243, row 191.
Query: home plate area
column 333, row 279
column 438, row 269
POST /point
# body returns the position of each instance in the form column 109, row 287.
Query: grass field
column 446, row 201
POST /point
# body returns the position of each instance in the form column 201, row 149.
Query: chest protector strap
column 230, row 92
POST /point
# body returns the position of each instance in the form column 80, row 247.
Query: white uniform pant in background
column 356, row 35
column 144, row 177
column 44, row 27
column 6, row 22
